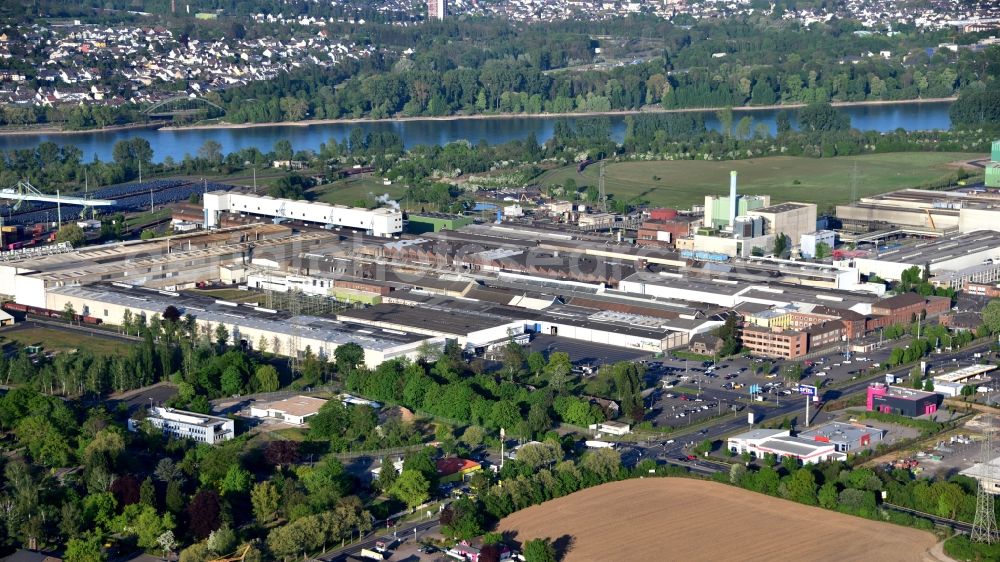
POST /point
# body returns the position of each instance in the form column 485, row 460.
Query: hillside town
column 70, row 63
column 113, row 65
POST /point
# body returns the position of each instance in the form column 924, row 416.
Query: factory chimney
column 732, row 199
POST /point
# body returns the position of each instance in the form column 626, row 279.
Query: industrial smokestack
column 732, row 199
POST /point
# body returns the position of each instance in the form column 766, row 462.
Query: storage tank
column 663, row 214
column 748, row 227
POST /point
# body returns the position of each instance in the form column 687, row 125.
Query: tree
column 539, row 550
column 512, row 357
column 538, row 455
column 203, row 513
column 473, row 435
column 222, row 540
column 558, row 369
column 211, row 152
column 347, row 357
column 237, row 480
column 281, row 453
column 411, row 488
column 265, row 500
column 166, row 542
column 387, row 476
column 780, row 245
column 991, row 316
column 221, row 335
column 704, row 447
column 536, row 362
column 68, row 312
column 737, row 473
column 266, row 379
column 86, row 548
column 828, row 495
column 147, row 493
column 73, row 234
column 283, row 150
column 171, row 314
column 605, row 463
column 802, row 487
column 174, row 499
column 823, row 117
column 822, row 250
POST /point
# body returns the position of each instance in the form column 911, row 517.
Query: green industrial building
column 993, row 168
column 418, row 223
column 717, row 208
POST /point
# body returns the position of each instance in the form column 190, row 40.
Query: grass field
column 234, row 295
column 682, row 519
column 59, row 340
column 351, row 190
column 824, row 181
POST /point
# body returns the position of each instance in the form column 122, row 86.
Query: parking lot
column 734, row 377
column 583, row 353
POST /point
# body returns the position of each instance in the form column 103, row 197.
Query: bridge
column 184, row 107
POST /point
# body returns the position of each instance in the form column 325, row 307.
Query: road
column 403, row 532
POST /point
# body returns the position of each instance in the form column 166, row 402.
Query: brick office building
column 903, row 309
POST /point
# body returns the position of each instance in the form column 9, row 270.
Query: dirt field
column 680, row 519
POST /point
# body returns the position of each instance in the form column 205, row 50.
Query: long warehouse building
column 379, row 222
column 282, row 333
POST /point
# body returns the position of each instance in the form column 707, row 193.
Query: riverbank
column 57, row 131
column 478, row 116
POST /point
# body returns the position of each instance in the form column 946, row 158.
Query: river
column 178, row 143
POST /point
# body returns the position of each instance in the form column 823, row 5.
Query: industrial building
column 905, row 308
column 419, row 223
column 187, row 425
column 781, row 443
column 922, row 212
column 993, row 168
column 378, row 222
column 295, row 410
column 955, row 254
column 903, row 401
column 790, row 219
column 248, row 324
column 810, row 241
column 987, row 476
column 845, row 437
column 721, row 210
column 170, row 264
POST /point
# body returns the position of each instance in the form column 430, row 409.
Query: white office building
column 808, row 242
column 188, row 425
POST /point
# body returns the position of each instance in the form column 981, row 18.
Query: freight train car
column 37, row 311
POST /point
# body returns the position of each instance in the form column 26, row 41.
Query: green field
column 824, row 181
column 352, row 190
column 232, row 295
column 60, row 340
